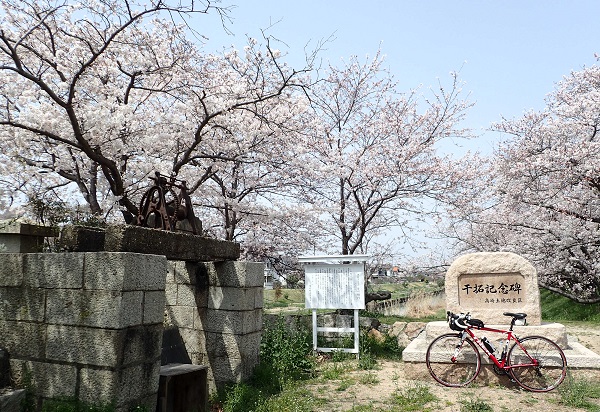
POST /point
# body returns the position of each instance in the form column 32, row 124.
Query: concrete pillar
column 23, row 237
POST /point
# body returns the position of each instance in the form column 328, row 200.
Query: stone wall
column 23, row 237
column 90, row 323
column 86, row 325
column 214, row 317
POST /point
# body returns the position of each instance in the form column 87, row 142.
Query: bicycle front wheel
column 452, row 361
column 537, row 364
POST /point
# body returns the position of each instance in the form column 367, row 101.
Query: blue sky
column 509, row 53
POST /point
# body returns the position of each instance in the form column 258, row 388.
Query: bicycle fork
column 458, row 347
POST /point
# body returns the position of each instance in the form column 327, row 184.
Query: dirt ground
column 586, row 335
column 375, row 388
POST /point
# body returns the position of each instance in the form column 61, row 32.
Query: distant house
column 271, row 276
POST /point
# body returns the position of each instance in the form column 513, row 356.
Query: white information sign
column 334, row 286
column 331, row 284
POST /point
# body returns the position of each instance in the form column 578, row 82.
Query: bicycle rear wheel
column 452, row 361
column 551, row 366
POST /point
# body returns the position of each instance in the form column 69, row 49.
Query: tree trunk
column 381, row 295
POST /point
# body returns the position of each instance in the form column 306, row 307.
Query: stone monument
column 487, row 284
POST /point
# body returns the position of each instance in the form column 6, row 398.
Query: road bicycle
column 534, row 362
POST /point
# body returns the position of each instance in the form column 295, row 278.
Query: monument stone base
column 486, row 285
column 580, row 360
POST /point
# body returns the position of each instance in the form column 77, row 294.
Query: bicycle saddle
column 516, row 315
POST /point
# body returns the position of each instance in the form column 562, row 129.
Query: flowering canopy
column 370, row 158
column 98, row 95
column 544, row 190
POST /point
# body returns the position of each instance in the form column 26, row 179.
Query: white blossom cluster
column 98, row 95
column 541, row 196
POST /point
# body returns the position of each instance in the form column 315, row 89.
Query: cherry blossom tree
column 542, row 194
column 77, row 78
column 100, row 94
column 241, row 142
column 369, row 159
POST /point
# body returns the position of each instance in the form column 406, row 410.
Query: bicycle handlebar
column 460, row 321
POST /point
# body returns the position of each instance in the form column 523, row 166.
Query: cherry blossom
column 97, row 96
column 541, row 197
column 369, row 160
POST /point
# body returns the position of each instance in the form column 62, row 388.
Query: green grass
column 294, row 298
column 369, row 378
column 390, row 320
column 69, row 404
column 475, row 405
column 387, row 348
column 415, row 397
column 280, row 381
column 367, row 408
column 289, row 296
column 286, row 360
column 558, row 308
column 244, row 397
column 577, row 393
column 290, row 300
column 404, row 290
column 333, row 372
column 345, row 384
column 293, row 399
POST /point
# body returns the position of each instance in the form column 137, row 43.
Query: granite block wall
column 214, row 317
column 86, row 325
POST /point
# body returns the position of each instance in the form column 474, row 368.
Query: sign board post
column 335, row 282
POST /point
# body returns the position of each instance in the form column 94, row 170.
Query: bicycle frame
column 510, row 336
column 534, row 362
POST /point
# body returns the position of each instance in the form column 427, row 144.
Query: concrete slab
column 27, row 229
column 129, row 238
column 19, row 237
column 578, row 356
